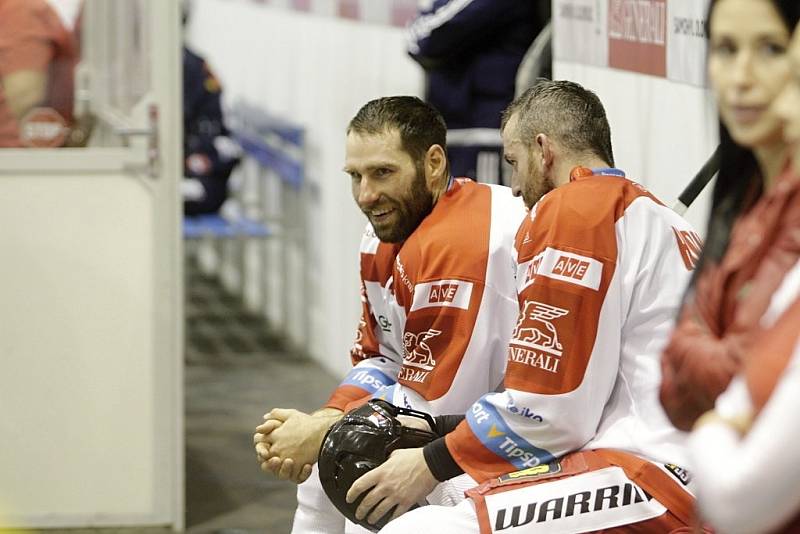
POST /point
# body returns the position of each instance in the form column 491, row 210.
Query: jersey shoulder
column 376, row 257
column 581, row 216
column 466, row 227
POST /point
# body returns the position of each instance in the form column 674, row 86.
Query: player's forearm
column 23, row 90
column 327, row 417
column 364, row 380
column 440, row 462
column 447, row 423
column 438, row 458
column 328, row 412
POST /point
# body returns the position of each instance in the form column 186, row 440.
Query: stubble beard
column 538, row 186
column 411, row 210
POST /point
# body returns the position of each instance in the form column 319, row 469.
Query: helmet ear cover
column 361, row 441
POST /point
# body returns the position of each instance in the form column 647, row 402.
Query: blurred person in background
column 38, row 54
column 471, row 51
column 210, row 155
column 753, row 238
column 747, row 463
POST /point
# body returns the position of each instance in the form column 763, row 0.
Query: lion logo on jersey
column 417, row 352
column 357, row 350
column 535, row 328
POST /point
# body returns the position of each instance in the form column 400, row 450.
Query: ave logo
column 571, row 267
column 445, row 293
column 561, row 265
column 533, row 268
column 442, row 293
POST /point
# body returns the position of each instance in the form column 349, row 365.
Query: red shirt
column 33, row 38
column 719, row 322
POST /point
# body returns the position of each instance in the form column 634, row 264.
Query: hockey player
column 578, row 440
column 438, row 294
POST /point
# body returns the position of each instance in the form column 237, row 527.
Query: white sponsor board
column 663, row 38
column 580, row 31
column 687, row 42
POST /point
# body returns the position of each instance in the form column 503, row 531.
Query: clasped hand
column 287, row 442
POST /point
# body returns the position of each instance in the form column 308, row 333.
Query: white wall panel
column 91, row 351
column 76, row 339
column 662, row 131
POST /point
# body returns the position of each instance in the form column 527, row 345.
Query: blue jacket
column 202, row 115
column 471, row 50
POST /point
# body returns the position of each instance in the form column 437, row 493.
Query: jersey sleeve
column 375, row 362
column 372, row 370
column 577, row 282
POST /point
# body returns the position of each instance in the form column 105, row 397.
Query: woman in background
column 742, row 315
column 752, row 242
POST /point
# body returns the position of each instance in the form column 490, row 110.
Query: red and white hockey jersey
column 438, row 311
column 601, row 270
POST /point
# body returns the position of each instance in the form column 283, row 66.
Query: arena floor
column 235, row 371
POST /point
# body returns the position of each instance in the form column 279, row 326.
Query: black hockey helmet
column 361, row 441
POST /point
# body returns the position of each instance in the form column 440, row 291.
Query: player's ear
column 547, row 150
column 435, row 166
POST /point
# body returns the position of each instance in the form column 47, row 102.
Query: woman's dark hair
column 739, row 183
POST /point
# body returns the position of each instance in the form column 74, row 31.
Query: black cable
column 699, row 182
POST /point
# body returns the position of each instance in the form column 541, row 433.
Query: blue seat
column 199, row 226
column 277, row 145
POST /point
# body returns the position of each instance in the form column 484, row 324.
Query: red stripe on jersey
column 557, row 328
column 451, row 243
column 346, row 395
column 476, row 460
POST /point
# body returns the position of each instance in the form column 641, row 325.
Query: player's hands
column 402, row 481
column 259, row 438
column 288, row 442
column 284, row 469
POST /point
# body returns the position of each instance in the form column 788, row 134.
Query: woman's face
column 748, row 67
column 788, row 104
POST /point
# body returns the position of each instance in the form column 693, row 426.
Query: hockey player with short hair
column 578, row 441
column 438, row 295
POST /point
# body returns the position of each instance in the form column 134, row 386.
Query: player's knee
column 400, row 525
column 431, row 520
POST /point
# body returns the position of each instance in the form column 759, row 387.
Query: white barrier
column 315, row 71
column 646, row 62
